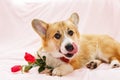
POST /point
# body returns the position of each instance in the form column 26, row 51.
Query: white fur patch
column 66, row 40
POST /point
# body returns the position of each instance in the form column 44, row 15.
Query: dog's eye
column 70, row 32
column 57, row 36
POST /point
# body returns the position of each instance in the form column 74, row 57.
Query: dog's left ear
column 40, row 27
column 74, row 18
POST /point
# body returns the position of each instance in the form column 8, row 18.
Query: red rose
column 16, row 68
column 29, row 58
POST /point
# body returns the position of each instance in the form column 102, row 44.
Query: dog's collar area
column 64, row 59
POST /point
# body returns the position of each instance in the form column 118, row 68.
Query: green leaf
column 42, row 68
column 49, row 67
column 44, row 58
column 43, row 64
column 39, row 60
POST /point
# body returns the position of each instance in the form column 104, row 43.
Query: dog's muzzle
column 71, row 50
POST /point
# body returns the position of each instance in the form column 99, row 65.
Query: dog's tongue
column 75, row 49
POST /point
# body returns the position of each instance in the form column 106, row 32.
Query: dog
column 67, row 50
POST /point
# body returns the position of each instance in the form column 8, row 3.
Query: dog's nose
column 69, row 47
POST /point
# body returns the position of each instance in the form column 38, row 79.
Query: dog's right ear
column 40, row 27
column 74, row 18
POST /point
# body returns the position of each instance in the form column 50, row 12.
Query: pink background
column 18, row 37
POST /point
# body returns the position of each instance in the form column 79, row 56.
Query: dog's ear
column 40, row 27
column 74, row 18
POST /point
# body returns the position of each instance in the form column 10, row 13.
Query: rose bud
column 16, row 68
column 29, row 58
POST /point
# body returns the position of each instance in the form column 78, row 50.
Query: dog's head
column 60, row 38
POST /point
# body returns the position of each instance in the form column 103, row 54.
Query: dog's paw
column 92, row 65
column 115, row 64
column 62, row 70
column 58, row 72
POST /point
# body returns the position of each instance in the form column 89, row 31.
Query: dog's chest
column 53, row 62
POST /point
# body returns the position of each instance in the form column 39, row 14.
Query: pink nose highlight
column 74, row 51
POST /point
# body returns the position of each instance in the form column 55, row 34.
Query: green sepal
column 29, row 63
column 27, row 68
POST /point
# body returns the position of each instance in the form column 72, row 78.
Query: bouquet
column 33, row 62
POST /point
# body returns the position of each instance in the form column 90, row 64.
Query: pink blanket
column 17, row 35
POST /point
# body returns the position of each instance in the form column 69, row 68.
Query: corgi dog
column 67, row 50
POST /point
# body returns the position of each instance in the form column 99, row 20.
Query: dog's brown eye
column 70, row 32
column 57, row 36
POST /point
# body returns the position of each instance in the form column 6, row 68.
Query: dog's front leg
column 62, row 70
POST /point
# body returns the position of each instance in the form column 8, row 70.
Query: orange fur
column 91, row 43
